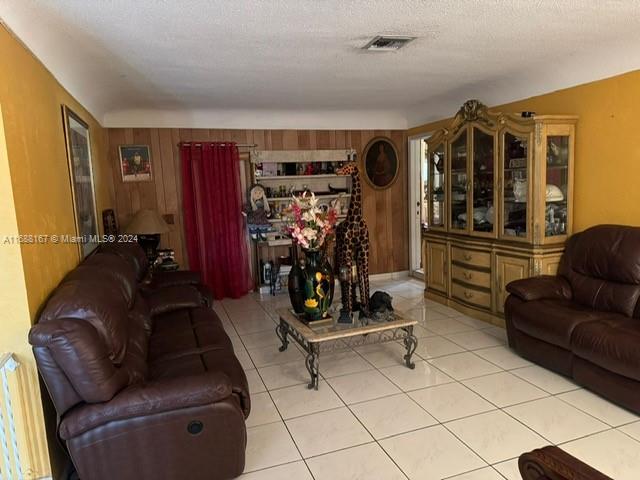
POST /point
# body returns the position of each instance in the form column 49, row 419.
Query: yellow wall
column 31, row 100
column 37, row 200
column 607, row 165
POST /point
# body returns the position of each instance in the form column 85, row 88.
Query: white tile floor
column 466, row 412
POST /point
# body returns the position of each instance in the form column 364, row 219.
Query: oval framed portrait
column 381, row 163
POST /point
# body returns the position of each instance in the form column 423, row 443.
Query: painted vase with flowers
column 310, row 226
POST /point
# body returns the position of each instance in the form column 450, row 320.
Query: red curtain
column 214, row 225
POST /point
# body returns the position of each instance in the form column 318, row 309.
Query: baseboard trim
column 381, row 277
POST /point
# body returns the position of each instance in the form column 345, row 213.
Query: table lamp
column 147, row 225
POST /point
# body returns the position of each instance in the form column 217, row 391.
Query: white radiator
column 10, row 467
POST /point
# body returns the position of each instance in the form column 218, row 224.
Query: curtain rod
column 239, row 145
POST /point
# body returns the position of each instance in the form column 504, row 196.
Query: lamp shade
column 147, row 222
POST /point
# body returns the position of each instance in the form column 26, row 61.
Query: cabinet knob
column 467, row 256
column 468, row 294
column 467, row 275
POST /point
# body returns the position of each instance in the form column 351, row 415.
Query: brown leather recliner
column 585, row 322
column 553, row 463
column 151, row 281
column 144, row 381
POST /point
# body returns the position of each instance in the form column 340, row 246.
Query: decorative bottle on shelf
column 296, row 282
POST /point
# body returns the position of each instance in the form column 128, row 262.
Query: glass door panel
column 557, row 182
column 437, row 168
column 515, row 185
column 483, row 181
column 424, row 183
column 459, row 183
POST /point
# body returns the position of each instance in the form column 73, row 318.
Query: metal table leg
column 410, row 343
column 313, row 365
column 282, row 331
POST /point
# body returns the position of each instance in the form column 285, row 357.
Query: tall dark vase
column 296, row 282
column 318, row 287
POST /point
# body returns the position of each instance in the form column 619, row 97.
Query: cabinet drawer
column 474, row 277
column 471, row 257
column 471, row 295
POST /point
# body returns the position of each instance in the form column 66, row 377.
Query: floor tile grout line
column 541, row 435
column 270, row 467
column 584, row 411
column 453, row 477
column 408, row 392
column 578, row 387
column 625, row 433
column 283, row 422
column 368, row 431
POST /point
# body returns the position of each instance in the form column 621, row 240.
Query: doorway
column 418, row 174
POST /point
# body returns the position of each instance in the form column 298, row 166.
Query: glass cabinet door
column 515, row 186
column 557, row 185
column 459, row 183
column 437, row 168
column 483, row 181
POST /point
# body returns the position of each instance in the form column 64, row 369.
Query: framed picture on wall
column 135, row 163
column 381, row 164
column 78, row 146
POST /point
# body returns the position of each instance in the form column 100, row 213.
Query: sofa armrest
column 147, row 399
column 179, row 277
column 542, row 287
column 554, row 463
column 167, row 299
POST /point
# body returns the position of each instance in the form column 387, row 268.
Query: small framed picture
column 135, row 163
column 381, row 163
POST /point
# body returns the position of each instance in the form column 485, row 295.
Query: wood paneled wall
column 386, row 211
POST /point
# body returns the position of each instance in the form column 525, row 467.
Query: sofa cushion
column 215, row 360
column 132, row 253
column 608, row 252
column 602, row 264
column 540, row 288
column 114, row 266
column 135, row 359
column 97, row 302
column 172, row 298
column 604, row 295
column 79, row 351
column 552, row 320
column 612, row 343
column 186, row 331
column 180, row 277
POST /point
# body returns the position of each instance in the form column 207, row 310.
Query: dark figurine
column 380, row 307
column 380, row 302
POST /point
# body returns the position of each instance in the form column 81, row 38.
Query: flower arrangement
column 308, row 224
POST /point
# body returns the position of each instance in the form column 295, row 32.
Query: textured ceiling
column 297, row 63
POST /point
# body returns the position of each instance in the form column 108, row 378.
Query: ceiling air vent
column 387, row 43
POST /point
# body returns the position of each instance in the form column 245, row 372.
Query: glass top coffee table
column 325, row 336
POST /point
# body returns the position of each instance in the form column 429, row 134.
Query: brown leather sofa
column 553, row 463
column 142, row 374
column 585, row 322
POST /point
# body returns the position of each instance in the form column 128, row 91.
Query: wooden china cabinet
column 500, row 195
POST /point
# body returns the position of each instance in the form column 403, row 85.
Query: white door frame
column 414, row 147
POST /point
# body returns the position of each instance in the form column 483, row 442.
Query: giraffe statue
column 352, row 248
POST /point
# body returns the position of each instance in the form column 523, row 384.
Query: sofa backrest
column 130, row 252
column 91, row 339
column 602, row 264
